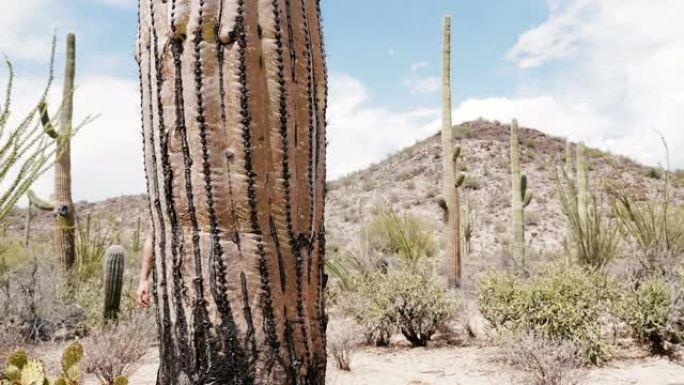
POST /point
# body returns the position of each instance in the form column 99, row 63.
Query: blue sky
column 603, row 71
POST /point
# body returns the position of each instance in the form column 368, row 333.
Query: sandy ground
column 458, row 366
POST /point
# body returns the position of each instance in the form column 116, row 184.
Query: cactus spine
column 234, row 98
column 64, row 233
column 450, row 155
column 521, row 198
column 582, row 184
column 113, row 281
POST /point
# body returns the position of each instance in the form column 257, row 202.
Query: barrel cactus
column 114, row 263
column 234, row 98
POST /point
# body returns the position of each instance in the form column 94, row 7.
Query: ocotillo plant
column 23, row 155
column 582, row 184
column 450, row 155
column 234, row 98
column 521, row 198
column 114, row 262
column 64, row 233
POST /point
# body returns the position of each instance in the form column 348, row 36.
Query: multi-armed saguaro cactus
column 113, row 280
column 234, row 98
column 521, row 198
column 64, row 235
column 450, row 155
column 582, row 185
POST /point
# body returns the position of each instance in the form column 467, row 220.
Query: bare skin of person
column 143, row 293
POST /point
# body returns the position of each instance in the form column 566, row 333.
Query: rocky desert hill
column 410, row 181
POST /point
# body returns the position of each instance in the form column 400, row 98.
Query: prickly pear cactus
column 113, row 280
column 20, row 369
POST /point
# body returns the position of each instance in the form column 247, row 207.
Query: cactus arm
column 39, row 203
column 46, row 121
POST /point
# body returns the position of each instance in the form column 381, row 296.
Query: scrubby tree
column 234, row 97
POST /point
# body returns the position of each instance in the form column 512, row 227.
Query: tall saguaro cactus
column 64, row 233
column 521, row 198
column 234, row 97
column 450, row 154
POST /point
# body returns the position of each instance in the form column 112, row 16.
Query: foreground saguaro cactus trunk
column 234, row 98
column 452, row 227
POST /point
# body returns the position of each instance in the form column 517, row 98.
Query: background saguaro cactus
column 521, row 198
column 234, row 97
column 450, row 154
column 114, row 263
column 64, row 233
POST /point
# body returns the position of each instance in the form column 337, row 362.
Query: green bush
column 655, row 313
column 405, row 301
column 419, row 305
column 365, row 301
column 567, row 303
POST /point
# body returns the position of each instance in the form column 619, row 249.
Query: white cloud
column 420, row 84
column 360, row 134
column 120, row 3
column 27, row 26
column 624, row 60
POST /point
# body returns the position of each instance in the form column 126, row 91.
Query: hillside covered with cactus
column 410, row 181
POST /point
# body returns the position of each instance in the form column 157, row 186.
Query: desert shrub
column 368, row 305
column 116, row 350
column 543, row 361
column 565, row 303
column 406, row 301
column 407, row 238
column 342, row 341
column 419, row 305
column 89, row 295
column 653, row 228
column 33, row 308
column 464, row 132
column 655, row 313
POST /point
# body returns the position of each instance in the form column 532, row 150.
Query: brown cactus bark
column 234, row 98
